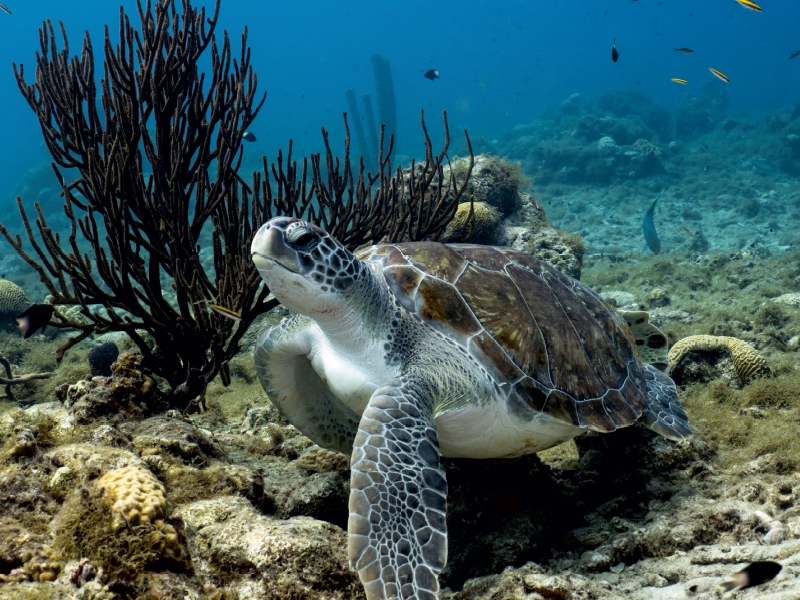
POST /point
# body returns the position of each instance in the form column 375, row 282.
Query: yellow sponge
column 136, row 496
column 748, row 362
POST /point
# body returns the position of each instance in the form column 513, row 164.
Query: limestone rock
column 258, row 557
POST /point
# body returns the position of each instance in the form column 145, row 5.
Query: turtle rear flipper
column 664, row 413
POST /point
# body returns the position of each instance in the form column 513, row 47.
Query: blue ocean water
column 501, row 63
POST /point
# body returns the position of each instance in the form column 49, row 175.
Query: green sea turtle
column 403, row 353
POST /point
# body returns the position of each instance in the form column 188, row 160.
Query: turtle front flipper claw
column 398, row 495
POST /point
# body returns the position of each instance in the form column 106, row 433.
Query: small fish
column 249, row 136
column 719, row 75
column 689, row 233
column 614, row 53
column 750, row 5
column 679, row 80
column 649, row 229
column 431, row 74
column 794, row 54
column 764, row 165
column 36, row 317
column 225, row 312
column 684, row 50
column 5, row 8
column 706, row 168
column 754, row 574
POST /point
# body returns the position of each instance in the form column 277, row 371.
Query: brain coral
column 13, row 300
column 748, row 362
column 136, row 496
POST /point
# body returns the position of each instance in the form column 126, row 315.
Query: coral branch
column 10, row 379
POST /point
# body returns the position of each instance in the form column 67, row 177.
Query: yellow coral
column 136, row 496
column 13, row 300
column 748, row 362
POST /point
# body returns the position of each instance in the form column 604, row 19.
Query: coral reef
column 244, row 506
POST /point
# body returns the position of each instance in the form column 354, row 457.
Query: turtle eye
column 301, row 237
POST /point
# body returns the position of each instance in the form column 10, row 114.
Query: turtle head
column 308, row 271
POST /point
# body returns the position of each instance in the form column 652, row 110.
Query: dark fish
column 794, row 54
column 5, row 8
column 36, row 317
column 614, row 53
column 649, row 229
column 432, row 74
column 225, row 312
column 249, row 136
column 754, row 574
column 689, row 233
column 684, row 50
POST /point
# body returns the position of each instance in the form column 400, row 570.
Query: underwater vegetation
column 161, row 218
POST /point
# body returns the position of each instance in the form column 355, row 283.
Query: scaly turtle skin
column 407, row 352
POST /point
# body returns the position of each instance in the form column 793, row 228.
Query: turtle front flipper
column 398, row 495
column 664, row 413
column 297, row 391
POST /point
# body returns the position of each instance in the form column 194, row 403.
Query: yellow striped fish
column 679, row 80
column 225, row 312
column 750, row 5
column 719, row 74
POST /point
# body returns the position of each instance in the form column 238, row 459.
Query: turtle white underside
column 481, row 429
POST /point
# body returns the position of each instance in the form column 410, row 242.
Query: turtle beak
column 269, row 248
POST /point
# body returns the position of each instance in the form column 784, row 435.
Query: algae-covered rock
column 173, row 434
column 297, row 492
column 87, row 461
column 531, row 581
column 482, row 230
column 494, row 181
column 129, row 392
column 259, row 557
column 322, row 460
